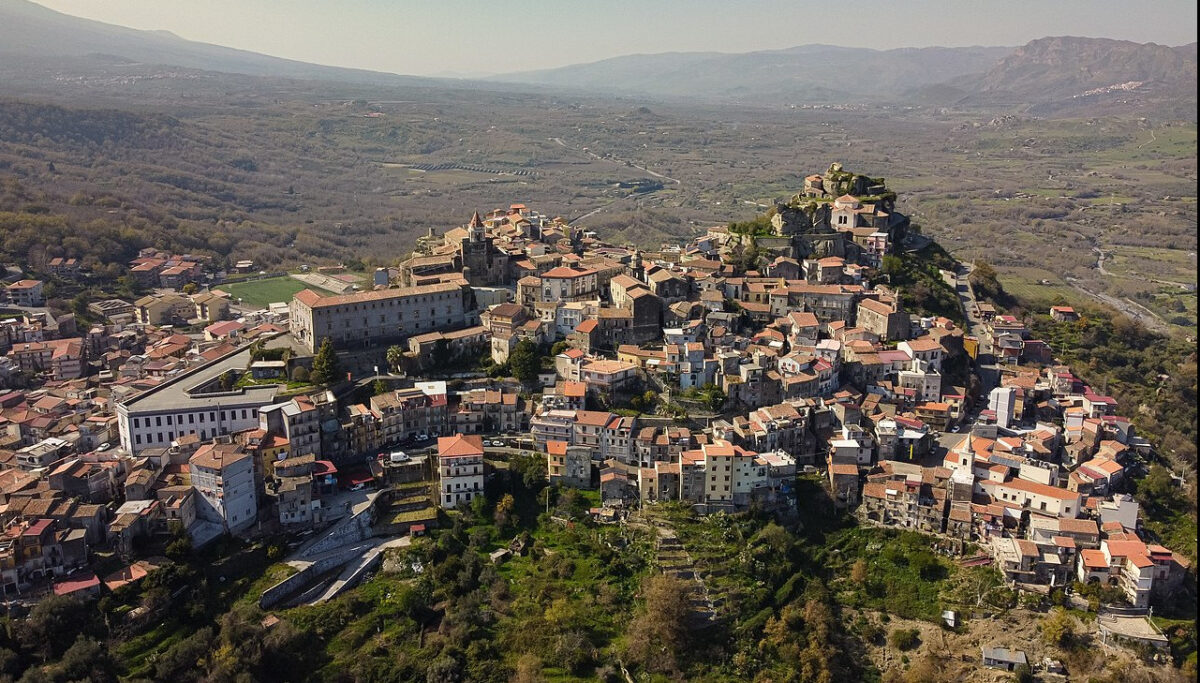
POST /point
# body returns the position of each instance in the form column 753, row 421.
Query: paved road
column 976, row 327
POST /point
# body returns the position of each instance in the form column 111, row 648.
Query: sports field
column 260, row 293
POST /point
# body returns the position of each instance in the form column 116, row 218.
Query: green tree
column 395, row 356
column 1058, row 628
column 658, row 636
column 53, row 623
column 892, row 265
column 504, row 511
column 326, row 367
column 713, row 397
column 442, row 354
column 300, row 374
column 79, row 305
column 1157, row 486
column 558, row 347
column 180, row 547
column 87, row 659
column 379, row 387
column 525, row 361
column 191, row 288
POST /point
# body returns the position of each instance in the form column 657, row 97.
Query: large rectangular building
column 383, row 315
column 195, row 402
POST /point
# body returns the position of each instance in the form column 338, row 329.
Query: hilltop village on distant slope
column 713, row 373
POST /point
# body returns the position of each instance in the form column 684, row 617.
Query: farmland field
column 1028, row 284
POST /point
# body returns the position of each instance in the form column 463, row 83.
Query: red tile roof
column 460, row 445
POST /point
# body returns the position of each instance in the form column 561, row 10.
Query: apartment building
column 28, row 293
column 410, row 413
column 460, row 469
column 568, row 465
column 731, row 474
column 1138, row 569
column 223, row 475
column 61, row 358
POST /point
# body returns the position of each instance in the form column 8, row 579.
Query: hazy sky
column 430, row 37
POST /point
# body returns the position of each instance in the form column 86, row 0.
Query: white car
column 497, row 444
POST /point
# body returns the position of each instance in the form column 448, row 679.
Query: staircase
column 673, row 559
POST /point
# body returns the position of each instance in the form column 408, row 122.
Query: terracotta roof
column 79, row 582
column 565, row 272
column 460, row 445
column 1078, row 526
column 1093, row 559
column 313, row 300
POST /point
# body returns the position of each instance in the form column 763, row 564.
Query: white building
column 193, row 403
column 731, row 474
column 565, row 283
column 460, row 469
column 223, row 475
column 1003, row 401
column 922, row 379
column 1041, row 498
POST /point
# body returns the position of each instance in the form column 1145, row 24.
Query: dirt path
column 1152, row 139
column 1130, row 308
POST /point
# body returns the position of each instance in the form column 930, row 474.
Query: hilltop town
column 744, row 374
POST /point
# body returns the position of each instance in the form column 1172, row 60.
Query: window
column 158, row 421
column 191, row 418
column 135, row 423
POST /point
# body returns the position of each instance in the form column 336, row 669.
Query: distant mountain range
column 1046, row 74
column 1058, row 75
column 809, row 73
column 31, row 31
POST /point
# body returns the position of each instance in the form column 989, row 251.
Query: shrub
column 904, row 638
